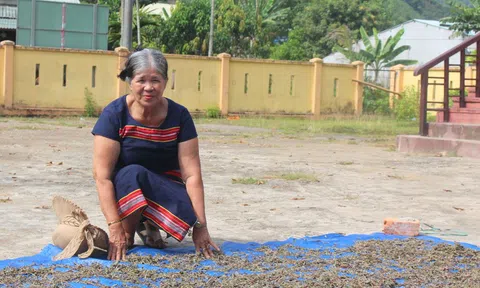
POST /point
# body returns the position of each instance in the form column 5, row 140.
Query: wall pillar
column 7, row 71
column 396, row 82
column 316, row 95
column 358, row 90
column 224, row 82
column 122, row 87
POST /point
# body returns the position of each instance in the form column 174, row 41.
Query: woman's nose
column 148, row 86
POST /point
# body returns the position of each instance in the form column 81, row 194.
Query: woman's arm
column 189, row 160
column 105, row 155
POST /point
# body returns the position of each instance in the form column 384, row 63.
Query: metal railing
column 445, row 58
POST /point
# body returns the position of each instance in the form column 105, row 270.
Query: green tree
column 186, row 30
column 378, row 55
column 464, row 18
column 320, row 18
column 262, row 20
column 230, row 30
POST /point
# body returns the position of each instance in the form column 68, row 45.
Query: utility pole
column 139, row 40
column 126, row 38
column 210, row 40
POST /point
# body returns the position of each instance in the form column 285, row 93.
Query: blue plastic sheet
column 321, row 242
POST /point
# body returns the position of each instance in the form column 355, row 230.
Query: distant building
column 8, row 19
column 54, row 23
column 426, row 38
column 159, row 8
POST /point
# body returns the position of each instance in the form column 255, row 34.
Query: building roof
column 8, row 17
column 64, row 1
column 157, row 8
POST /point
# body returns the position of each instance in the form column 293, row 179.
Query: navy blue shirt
column 155, row 148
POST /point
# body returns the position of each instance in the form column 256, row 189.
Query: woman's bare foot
column 150, row 235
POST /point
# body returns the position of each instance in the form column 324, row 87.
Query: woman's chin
column 149, row 100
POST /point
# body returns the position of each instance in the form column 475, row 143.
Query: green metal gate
column 62, row 25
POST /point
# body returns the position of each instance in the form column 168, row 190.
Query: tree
column 320, row 18
column 464, row 18
column 262, row 18
column 377, row 55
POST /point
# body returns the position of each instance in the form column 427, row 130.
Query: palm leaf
column 396, row 52
column 402, row 62
column 366, row 39
column 350, row 55
column 368, row 58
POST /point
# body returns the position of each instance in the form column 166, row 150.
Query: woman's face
column 147, row 87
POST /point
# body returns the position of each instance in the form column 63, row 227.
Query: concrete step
column 454, row 131
column 470, row 101
column 435, row 145
column 461, row 115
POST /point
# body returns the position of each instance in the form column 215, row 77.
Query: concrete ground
column 298, row 187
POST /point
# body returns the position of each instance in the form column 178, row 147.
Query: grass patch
column 248, row 181
column 346, row 163
column 298, row 177
column 367, row 125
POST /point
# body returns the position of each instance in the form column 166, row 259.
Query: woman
column 146, row 163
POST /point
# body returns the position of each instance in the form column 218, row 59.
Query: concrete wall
column 58, row 79
column 267, row 86
column 402, row 78
column 2, row 72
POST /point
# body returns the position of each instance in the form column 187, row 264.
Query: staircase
column 456, row 130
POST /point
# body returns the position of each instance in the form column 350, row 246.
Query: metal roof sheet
column 8, row 24
column 8, row 12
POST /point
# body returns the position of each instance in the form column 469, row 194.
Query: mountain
column 404, row 10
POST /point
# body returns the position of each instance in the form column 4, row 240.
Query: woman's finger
column 113, row 252
column 214, row 245
column 119, row 253
column 206, row 252
column 109, row 252
column 124, row 253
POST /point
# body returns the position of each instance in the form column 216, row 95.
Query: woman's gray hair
column 144, row 59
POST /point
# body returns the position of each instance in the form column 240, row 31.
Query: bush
column 90, row 104
column 376, row 101
column 213, row 112
column 407, row 107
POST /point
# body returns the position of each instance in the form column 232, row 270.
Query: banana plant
column 378, row 55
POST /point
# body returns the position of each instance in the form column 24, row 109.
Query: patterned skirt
column 164, row 201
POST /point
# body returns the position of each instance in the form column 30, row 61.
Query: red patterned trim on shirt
column 149, row 134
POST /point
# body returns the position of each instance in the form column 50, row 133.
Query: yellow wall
column 342, row 100
column 279, row 99
column 186, row 89
column 291, row 90
column 435, row 93
column 50, row 91
column 2, row 50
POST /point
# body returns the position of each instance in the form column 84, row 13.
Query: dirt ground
column 303, row 187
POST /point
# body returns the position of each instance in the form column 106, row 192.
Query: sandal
column 150, row 235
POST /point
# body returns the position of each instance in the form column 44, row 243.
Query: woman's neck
column 151, row 115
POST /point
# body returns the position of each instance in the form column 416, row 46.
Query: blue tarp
column 321, row 242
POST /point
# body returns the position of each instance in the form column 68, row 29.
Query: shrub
column 407, row 106
column 90, row 104
column 376, row 102
column 213, row 112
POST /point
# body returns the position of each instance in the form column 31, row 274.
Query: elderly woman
column 146, row 163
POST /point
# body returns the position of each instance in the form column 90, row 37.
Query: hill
column 404, row 10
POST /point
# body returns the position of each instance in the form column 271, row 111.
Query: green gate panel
column 78, row 31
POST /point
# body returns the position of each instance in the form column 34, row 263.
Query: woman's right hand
column 117, row 248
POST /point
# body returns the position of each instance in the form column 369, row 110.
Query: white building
column 427, row 39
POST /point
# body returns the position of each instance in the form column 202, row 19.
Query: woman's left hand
column 201, row 239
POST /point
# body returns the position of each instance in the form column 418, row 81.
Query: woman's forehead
column 148, row 73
